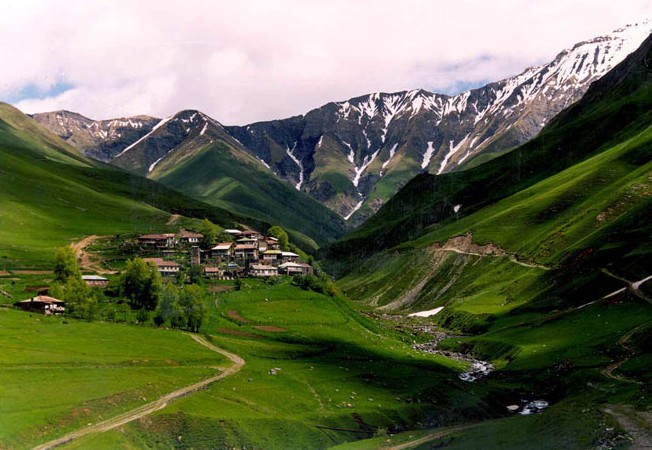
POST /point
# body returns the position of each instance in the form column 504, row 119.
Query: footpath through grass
column 57, row 376
column 317, row 374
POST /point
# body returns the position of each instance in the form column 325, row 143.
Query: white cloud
column 256, row 60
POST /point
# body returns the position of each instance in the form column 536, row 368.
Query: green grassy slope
column 49, row 195
column 614, row 109
column 341, row 378
column 58, row 376
column 552, row 304
column 216, row 175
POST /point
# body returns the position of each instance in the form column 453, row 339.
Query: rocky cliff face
column 99, row 139
column 353, row 155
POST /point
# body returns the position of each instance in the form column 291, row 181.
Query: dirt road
column 608, row 371
column 156, row 405
column 84, row 257
column 638, row 424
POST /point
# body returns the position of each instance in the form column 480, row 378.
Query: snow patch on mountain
column 392, row 152
column 151, row 166
column 427, row 156
column 355, row 208
column 452, row 150
column 156, row 127
column 299, row 164
column 365, row 163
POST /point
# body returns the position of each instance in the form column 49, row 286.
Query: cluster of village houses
column 251, row 254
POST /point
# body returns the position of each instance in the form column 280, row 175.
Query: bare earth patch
column 270, row 328
column 234, row 315
column 4, row 273
column 219, row 288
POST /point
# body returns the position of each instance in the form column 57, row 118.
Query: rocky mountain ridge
column 353, row 155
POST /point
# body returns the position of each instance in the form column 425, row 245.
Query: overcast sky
column 242, row 61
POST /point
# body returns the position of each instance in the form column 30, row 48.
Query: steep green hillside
column 616, row 108
column 215, row 174
column 50, row 195
column 542, row 260
column 193, row 153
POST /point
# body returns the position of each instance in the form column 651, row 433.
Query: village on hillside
column 249, row 253
column 239, row 254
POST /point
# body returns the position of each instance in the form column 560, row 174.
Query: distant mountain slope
column 49, row 194
column 99, row 139
column 604, row 135
column 193, row 153
column 354, row 155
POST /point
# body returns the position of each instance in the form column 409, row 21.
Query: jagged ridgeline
column 353, row 155
column 50, row 193
column 556, row 211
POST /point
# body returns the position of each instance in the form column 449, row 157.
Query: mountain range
column 353, row 155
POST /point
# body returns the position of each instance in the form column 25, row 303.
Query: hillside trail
column 173, row 218
column 637, row 424
column 429, row 437
column 156, row 405
column 608, row 371
column 512, row 257
column 84, row 257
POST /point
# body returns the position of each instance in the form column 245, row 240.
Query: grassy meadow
column 317, row 374
column 59, row 375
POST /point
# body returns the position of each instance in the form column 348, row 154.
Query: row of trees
column 140, row 286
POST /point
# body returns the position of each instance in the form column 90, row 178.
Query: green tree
column 195, row 274
column 282, row 236
column 141, row 284
column 168, row 306
column 210, row 232
column 79, row 299
column 192, row 307
column 65, row 265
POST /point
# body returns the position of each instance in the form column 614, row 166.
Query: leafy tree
column 192, row 306
column 282, row 236
column 80, row 301
column 66, row 265
column 210, row 232
column 142, row 316
column 195, row 275
column 141, row 284
column 168, row 306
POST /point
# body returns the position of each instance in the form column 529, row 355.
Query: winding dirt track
column 156, row 405
column 85, row 261
column 609, row 370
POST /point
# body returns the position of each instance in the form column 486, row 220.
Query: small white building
column 262, row 270
column 165, row 268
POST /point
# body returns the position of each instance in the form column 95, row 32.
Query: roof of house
column 247, row 240
column 245, row 247
column 211, row 269
column 249, row 232
column 232, row 231
column 160, row 262
column 293, row 264
column 292, row 254
column 272, row 252
column 272, row 239
column 93, row 278
column 223, row 246
column 190, row 234
column 262, row 267
column 156, row 236
column 42, row 299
